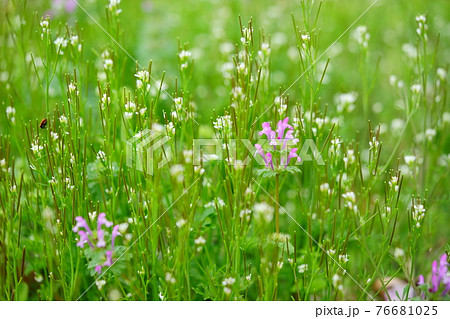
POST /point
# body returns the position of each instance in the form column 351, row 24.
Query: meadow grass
column 361, row 217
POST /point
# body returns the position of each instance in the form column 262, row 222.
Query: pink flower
column 101, row 220
column 108, row 261
column 439, row 276
column 98, row 269
column 84, row 238
column 269, row 160
column 98, row 241
column 101, row 238
column 267, row 130
column 281, row 126
column 115, row 233
column 81, row 223
column 279, row 143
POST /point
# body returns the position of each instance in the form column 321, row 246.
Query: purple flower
column 281, row 126
column 108, row 261
column 101, row 220
column 266, row 130
column 439, row 276
column 269, row 160
column 292, row 154
column 98, row 241
column 101, row 238
column 115, row 233
column 98, row 269
column 84, row 238
column 81, row 223
column 421, row 280
column 279, row 143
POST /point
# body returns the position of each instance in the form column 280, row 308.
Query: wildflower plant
column 278, row 151
column 362, row 109
column 99, row 246
column 438, row 285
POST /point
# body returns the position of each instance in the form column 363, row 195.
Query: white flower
column 346, row 101
column 336, row 279
column 160, row 295
column 302, row 268
column 248, row 277
column 282, row 106
column 416, row 88
column 418, row 213
column 73, row 40
column 169, row 278
column 10, row 111
column 410, row 159
column 72, row 87
column 399, row 253
column 39, row 278
column 263, row 211
column 100, row 284
column 228, row 281
column 54, row 135
column 223, row 123
column 92, row 215
column 60, row 42
column 123, row 228
column 422, row 26
column 325, row 187
column 245, row 213
column 227, row 290
column 442, row 74
column 143, row 75
column 343, row 258
column 237, row 93
column 184, row 55
column 130, row 106
column 181, row 222
column 350, row 201
column 113, row 7
column 242, row 68
column 335, row 145
column 362, row 36
column 199, row 170
column 36, row 148
column 108, row 64
column 63, row 119
column 101, row 155
column 374, row 143
column 393, row 183
column 200, row 241
column 246, row 35
column 430, row 133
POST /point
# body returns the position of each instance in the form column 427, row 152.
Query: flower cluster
column 184, row 59
column 362, row 36
column 439, row 276
column 422, row 26
column 278, row 144
column 98, row 240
